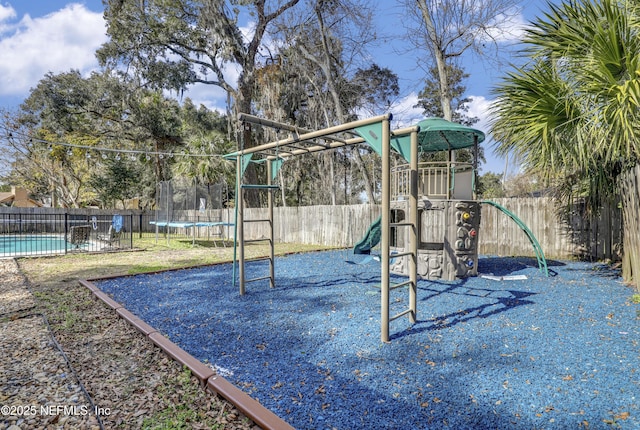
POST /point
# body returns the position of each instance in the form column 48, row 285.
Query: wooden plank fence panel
column 343, row 226
column 579, row 236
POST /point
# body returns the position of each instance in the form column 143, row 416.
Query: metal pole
column 332, row 145
column 66, row 230
column 315, row 134
column 195, row 210
column 386, row 212
column 280, row 125
column 272, row 274
column 240, row 224
column 475, row 166
column 413, row 237
column 131, row 230
column 168, row 194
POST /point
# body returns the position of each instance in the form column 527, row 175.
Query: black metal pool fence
column 47, row 231
column 36, row 233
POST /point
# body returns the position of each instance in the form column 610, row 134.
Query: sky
column 42, row 36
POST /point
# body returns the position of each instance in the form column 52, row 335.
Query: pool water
column 32, row 244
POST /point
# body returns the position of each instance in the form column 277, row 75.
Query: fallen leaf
column 622, row 416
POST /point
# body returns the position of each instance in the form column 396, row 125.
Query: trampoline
column 190, row 206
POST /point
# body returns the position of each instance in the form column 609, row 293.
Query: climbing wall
column 463, row 234
column 448, row 247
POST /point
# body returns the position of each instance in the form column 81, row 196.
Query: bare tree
column 449, row 29
column 325, row 48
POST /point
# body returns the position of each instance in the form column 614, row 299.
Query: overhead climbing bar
column 302, row 141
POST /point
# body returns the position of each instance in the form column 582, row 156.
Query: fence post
column 66, row 223
column 130, row 230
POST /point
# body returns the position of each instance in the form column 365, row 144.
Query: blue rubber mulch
column 557, row 353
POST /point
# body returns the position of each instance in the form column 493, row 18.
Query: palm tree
column 571, row 113
column 202, row 159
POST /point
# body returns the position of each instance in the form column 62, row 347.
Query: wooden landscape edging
column 207, row 376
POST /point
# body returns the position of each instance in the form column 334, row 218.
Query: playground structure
column 447, row 216
column 430, row 216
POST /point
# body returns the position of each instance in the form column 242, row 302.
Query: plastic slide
column 370, row 239
column 542, row 262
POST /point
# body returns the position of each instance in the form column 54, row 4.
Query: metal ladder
column 241, row 221
column 387, row 224
column 412, row 282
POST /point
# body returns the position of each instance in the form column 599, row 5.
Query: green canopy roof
column 437, row 134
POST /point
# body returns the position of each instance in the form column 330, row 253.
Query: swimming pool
column 20, row 245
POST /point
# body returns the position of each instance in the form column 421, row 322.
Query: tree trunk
column 325, row 65
column 630, row 193
column 439, row 53
column 243, row 105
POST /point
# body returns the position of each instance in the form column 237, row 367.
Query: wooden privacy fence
column 340, row 226
column 572, row 235
column 563, row 234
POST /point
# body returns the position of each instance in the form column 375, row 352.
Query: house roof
column 23, row 200
column 6, row 197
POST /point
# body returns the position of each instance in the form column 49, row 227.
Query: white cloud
column 212, row 97
column 507, row 27
column 63, row 40
column 6, row 13
column 479, row 107
column 404, row 112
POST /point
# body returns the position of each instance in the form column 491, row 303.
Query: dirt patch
column 128, row 377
